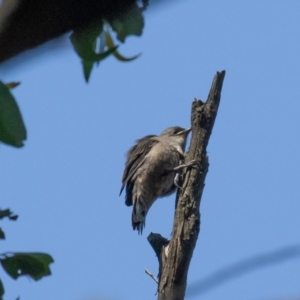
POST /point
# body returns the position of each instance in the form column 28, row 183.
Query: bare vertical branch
column 175, row 256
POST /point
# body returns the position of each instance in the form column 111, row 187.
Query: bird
column 151, row 171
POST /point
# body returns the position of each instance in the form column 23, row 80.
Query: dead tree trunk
column 175, row 255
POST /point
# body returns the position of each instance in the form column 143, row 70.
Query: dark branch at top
column 34, row 22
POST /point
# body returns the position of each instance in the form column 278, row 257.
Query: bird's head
column 178, row 134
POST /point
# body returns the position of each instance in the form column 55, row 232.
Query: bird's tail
column 138, row 218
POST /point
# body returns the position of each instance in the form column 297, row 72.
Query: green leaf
column 88, row 65
column 2, row 234
column 116, row 53
column 87, row 69
column 35, row 265
column 129, row 23
column 12, row 128
column 1, row 290
column 84, row 41
column 6, row 213
column 12, row 85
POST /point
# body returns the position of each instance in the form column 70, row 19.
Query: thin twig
column 151, row 275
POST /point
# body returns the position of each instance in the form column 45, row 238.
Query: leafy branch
column 95, row 43
column 16, row 264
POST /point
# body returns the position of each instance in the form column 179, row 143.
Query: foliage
column 85, row 40
column 6, row 213
column 92, row 44
column 35, row 265
column 16, row 264
column 12, row 128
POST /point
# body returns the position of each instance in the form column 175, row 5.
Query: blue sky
column 64, row 183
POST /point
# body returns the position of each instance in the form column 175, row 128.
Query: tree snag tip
column 175, row 255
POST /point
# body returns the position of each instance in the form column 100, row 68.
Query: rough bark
column 175, row 257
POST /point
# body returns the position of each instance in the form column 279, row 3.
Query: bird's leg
column 178, row 177
column 189, row 164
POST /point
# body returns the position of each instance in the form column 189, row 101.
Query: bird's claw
column 177, row 179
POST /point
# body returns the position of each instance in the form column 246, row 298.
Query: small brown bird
column 150, row 171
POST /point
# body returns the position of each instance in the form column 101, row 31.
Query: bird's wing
column 136, row 156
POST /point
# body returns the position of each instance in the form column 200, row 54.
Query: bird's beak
column 185, row 131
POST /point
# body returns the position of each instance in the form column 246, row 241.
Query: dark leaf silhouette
column 35, row 265
column 2, row 234
column 1, row 290
column 12, row 128
column 6, row 213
